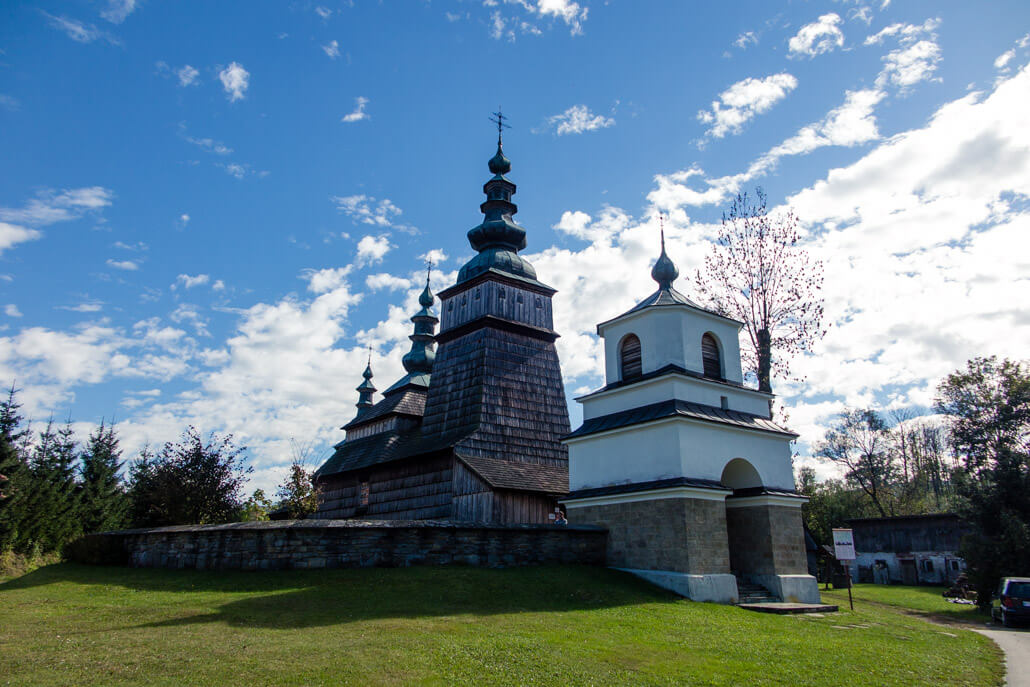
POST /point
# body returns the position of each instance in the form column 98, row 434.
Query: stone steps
column 748, row 593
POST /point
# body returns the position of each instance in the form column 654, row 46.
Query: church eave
column 493, row 274
column 497, row 323
column 654, row 301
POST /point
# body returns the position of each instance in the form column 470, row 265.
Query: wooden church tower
column 472, row 431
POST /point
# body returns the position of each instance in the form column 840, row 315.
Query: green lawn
column 925, row 600
column 75, row 625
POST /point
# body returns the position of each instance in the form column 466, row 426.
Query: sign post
column 844, row 550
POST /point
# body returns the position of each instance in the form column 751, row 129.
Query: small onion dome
column 498, row 163
column 426, row 299
column 367, row 374
column 664, row 271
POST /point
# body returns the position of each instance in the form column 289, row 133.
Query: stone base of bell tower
column 672, row 537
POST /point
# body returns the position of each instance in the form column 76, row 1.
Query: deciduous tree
column 988, row 409
column 759, row 274
column 189, row 482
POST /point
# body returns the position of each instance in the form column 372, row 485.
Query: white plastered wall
column 676, row 447
column 671, row 335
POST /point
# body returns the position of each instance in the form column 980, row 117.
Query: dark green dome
column 499, row 259
column 664, row 271
column 500, row 164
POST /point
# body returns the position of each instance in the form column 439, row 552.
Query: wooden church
column 472, row 431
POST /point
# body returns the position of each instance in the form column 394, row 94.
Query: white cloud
column 235, row 169
column 848, row 125
column 377, row 282
column 89, row 306
column 435, row 255
column 572, row 14
column 366, row 210
column 742, row 101
column 187, row 75
column 326, row 280
column 359, row 111
column 184, row 219
column 11, row 310
column 188, row 281
column 908, row 66
column 126, row 265
column 578, row 119
column 371, row 249
column 905, row 33
column 187, row 313
column 864, row 14
column 235, row 80
column 12, row 234
column 819, row 37
column 323, row 12
column 745, row 39
column 219, row 285
column 118, row 10
column 77, row 30
column 332, row 49
column 49, row 207
column 1004, row 59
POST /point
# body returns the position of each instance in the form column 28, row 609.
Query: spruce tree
column 13, row 471
column 52, row 503
column 105, row 504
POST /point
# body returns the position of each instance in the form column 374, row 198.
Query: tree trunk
column 764, row 360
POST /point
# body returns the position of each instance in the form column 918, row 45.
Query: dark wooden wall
column 475, row 501
column 404, row 491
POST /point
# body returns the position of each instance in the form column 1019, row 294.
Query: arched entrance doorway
column 746, row 531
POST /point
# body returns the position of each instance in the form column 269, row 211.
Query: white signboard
column 843, row 545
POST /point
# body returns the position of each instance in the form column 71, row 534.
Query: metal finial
column 370, row 355
column 661, row 224
column 429, row 269
column 498, row 119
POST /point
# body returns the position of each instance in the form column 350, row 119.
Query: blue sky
column 210, row 210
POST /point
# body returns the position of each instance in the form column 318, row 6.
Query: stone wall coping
column 318, row 524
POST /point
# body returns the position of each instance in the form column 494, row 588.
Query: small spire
column 419, row 360
column 366, row 388
column 499, row 164
column 664, row 271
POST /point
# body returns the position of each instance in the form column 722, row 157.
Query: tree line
column 973, row 459
column 53, row 490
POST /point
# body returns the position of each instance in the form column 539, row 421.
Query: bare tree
column 757, row 273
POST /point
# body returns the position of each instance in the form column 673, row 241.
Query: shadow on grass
column 296, row 599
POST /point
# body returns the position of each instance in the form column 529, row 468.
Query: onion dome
column 366, row 388
column 498, row 239
column 664, row 271
column 419, row 360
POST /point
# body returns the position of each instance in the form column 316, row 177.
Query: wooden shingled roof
column 411, row 401
column 503, row 391
column 506, row 474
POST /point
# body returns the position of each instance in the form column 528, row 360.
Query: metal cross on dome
column 498, row 119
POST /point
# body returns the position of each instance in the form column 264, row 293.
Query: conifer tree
column 53, row 501
column 13, row 471
column 105, row 504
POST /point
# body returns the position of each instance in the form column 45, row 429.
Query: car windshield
column 1020, row 589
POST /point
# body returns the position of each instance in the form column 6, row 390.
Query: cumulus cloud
column 908, row 66
column 744, row 100
column 372, row 249
column 323, row 12
column 366, row 210
column 526, row 12
column 118, row 11
column 11, row 310
column 49, row 207
column 188, row 282
column 332, row 49
column 906, row 34
column 821, row 36
column 187, row 75
column 578, row 119
column 235, row 80
column 126, row 265
column 745, row 39
column 359, row 111
column 378, row 282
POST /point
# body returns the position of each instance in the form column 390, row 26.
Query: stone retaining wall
column 292, row 544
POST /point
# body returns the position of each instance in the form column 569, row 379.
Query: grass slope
column 74, row 625
column 925, row 600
